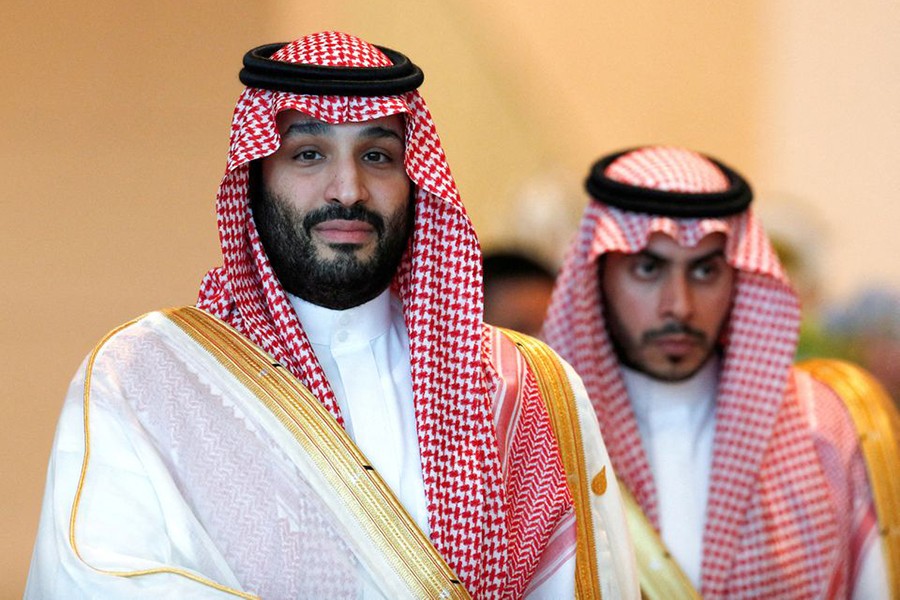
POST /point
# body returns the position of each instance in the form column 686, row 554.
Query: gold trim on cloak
column 560, row 401
column 73, row 518
column 660, row 574
column 877, row 424
column 354, row 481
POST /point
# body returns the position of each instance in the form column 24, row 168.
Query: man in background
column 677, row 314
column 517, row 291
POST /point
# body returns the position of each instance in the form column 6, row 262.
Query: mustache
column 673, row 328
column 343, row 213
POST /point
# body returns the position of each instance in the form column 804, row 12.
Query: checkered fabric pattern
column 756, row 542
column 439, row 283
column 658, row 168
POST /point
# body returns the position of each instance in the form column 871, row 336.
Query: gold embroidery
column 560, row 400
column 878, row 425
column 598, row 485
column 661, row 576
column 409, row 552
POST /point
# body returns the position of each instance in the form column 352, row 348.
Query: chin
column 333, row 250
column 678, row 376
column 669, row 370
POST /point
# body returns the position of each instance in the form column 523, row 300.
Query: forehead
column 393, row 123
column 666, row 247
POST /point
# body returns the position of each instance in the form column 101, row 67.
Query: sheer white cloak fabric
column 189, row 473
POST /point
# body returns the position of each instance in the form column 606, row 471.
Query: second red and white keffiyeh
column 770, row 526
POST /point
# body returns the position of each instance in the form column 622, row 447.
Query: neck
column 362, row 322
column 643, row 388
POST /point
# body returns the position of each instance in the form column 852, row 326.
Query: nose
column 676, row 298
column 347, row 184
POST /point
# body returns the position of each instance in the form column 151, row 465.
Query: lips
column 341, row 231
column 676, row 345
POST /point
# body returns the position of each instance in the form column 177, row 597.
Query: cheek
column 271, row 170
column 394, row 192
column 273, row 180
column 637, row 303
column 301, row 195
column 622, row 301
column 718, row 306
column 626, row 316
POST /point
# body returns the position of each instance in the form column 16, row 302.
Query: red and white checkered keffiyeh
column 439, row 283
column 770, row 526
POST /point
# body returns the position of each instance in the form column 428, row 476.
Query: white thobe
column 677, row 424
column 134, row 517
column 364, row 352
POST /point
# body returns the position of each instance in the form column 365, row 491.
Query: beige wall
column 115, row 119
column 830, row 126
column 523, row 90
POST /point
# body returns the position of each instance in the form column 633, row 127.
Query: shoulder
column 854, row 423
column 142, row 349
column 501, row 341
column 875, row 423
column 839, row 395
column 101, row 392
column 557, row 383
column 823, row 408
column 169, row 325
column 512, row 351
column 125, row 344
column 501, row 351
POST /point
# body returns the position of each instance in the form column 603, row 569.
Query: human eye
column 707, row 270
column 377, row 156
column 645, row 267
column 308, row 155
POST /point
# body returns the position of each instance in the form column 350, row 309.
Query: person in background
column 747, row 474
column 517, row 291
column 867, row 328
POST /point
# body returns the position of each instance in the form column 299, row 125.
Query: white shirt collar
column 359, row 324
column 693, row 396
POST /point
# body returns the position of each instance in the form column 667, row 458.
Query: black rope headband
column 669, row 204
column 260, row 71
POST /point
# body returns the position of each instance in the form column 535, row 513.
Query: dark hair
column 510, row 264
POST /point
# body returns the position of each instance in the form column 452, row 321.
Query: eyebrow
column 720, row 252
column 307, row 128
column 313, row 127
column 376, row 131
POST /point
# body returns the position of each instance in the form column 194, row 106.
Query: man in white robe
column 334, row 419
column 674, row 309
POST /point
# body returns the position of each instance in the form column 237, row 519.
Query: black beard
column 615, row 333
column 618, row 337
column 337, row 283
